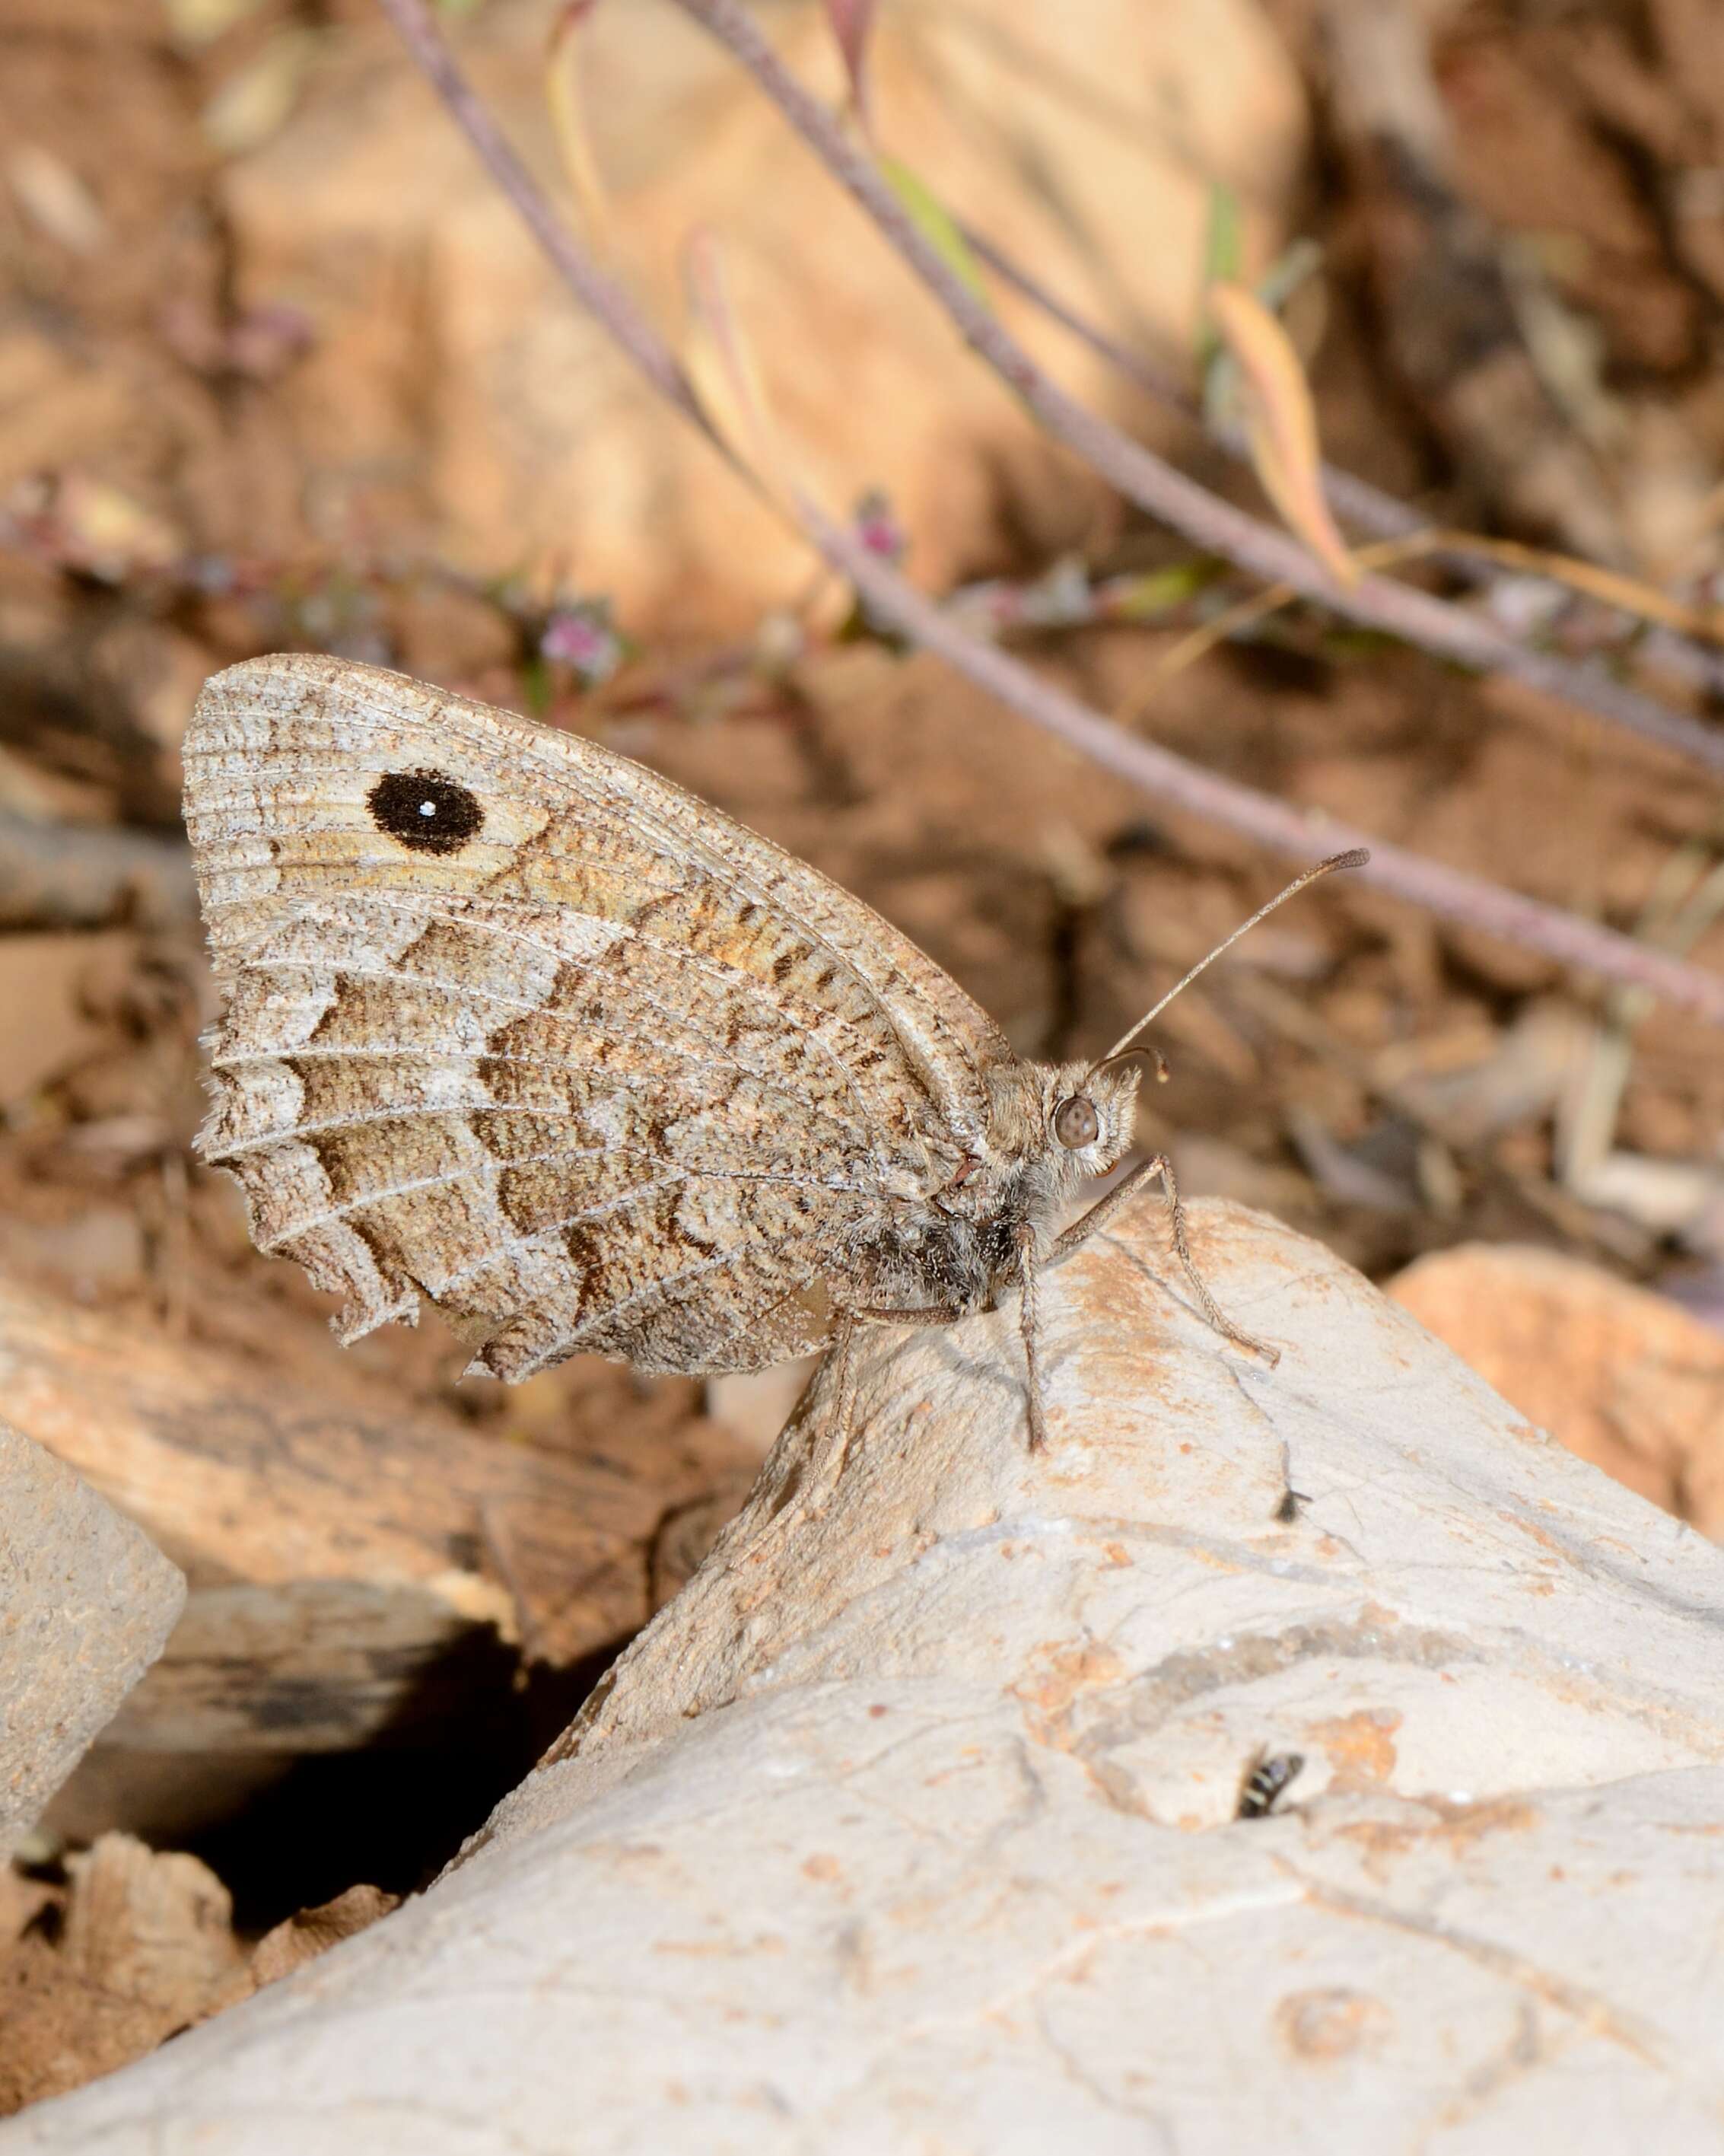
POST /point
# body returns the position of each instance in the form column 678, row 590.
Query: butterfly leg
column 1116, row 1201
column 836, row 1450
column 1027, row 1312
column 1120, row 1196
column 950, row 1313
column 826, row 1462
column 845, row 1349
column 932, row 1313
column 842, row 1358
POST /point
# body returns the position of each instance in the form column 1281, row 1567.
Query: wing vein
column 725, row 976
column 593, row 1212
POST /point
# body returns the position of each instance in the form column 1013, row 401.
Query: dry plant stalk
column 1410, row 615
column 1164, row 493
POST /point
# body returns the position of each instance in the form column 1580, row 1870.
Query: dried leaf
column 55, row 200
column 253, row 105
column 87, row 525
column 1280, row 422
column 57, row 980
column 191, row 24
column 301, row 1939
column 935, row 224
column 852, row 24
column 1680, row 1199
column 155, row 1926
column 568, row 117
column 722, row 364
column 1631, row 595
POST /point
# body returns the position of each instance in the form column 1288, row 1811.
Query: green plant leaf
column 1224, row 259
column 937, row 225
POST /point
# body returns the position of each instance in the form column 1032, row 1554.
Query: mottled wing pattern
column 588, row 1064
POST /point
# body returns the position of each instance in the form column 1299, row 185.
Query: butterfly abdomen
column 929, row 1257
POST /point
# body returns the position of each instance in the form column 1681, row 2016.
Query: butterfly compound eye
column 425, row 810
column 1076, row 1123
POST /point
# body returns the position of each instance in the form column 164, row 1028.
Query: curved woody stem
column 1354, row 500
column 1265, row 550
column 1277, row 825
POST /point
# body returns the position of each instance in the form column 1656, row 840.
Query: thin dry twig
column 1624, row 593
column 1277, row 825
column 1475, row 560
column 1400, row 610
column 597, row 290
column 1301, row 834
column 1355, row 499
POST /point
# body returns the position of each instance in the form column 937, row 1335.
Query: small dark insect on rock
column 1265, row 1778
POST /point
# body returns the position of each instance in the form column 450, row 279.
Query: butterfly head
column 1073, row 1121
column 1091, row 1113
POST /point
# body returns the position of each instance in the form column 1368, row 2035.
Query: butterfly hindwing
column 515, row 1025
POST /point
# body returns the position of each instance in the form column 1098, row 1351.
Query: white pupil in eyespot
column 428, row 808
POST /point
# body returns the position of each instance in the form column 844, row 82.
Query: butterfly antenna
column 1355, row 859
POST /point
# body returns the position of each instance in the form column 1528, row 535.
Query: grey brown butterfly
column 513, row 1024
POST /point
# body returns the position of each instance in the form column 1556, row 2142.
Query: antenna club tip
column 1356, row 858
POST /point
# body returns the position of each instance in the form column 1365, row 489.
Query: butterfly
column 514, row 1025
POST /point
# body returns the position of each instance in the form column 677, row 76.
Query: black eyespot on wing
column 425, row 810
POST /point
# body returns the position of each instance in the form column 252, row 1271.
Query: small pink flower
column 580, row 637
column 878, row 528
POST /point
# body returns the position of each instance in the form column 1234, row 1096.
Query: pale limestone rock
column 909, row 1823
column 86, row 1604
column 1628, row 1380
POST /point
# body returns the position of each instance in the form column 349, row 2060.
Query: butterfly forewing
column 515, row 1024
